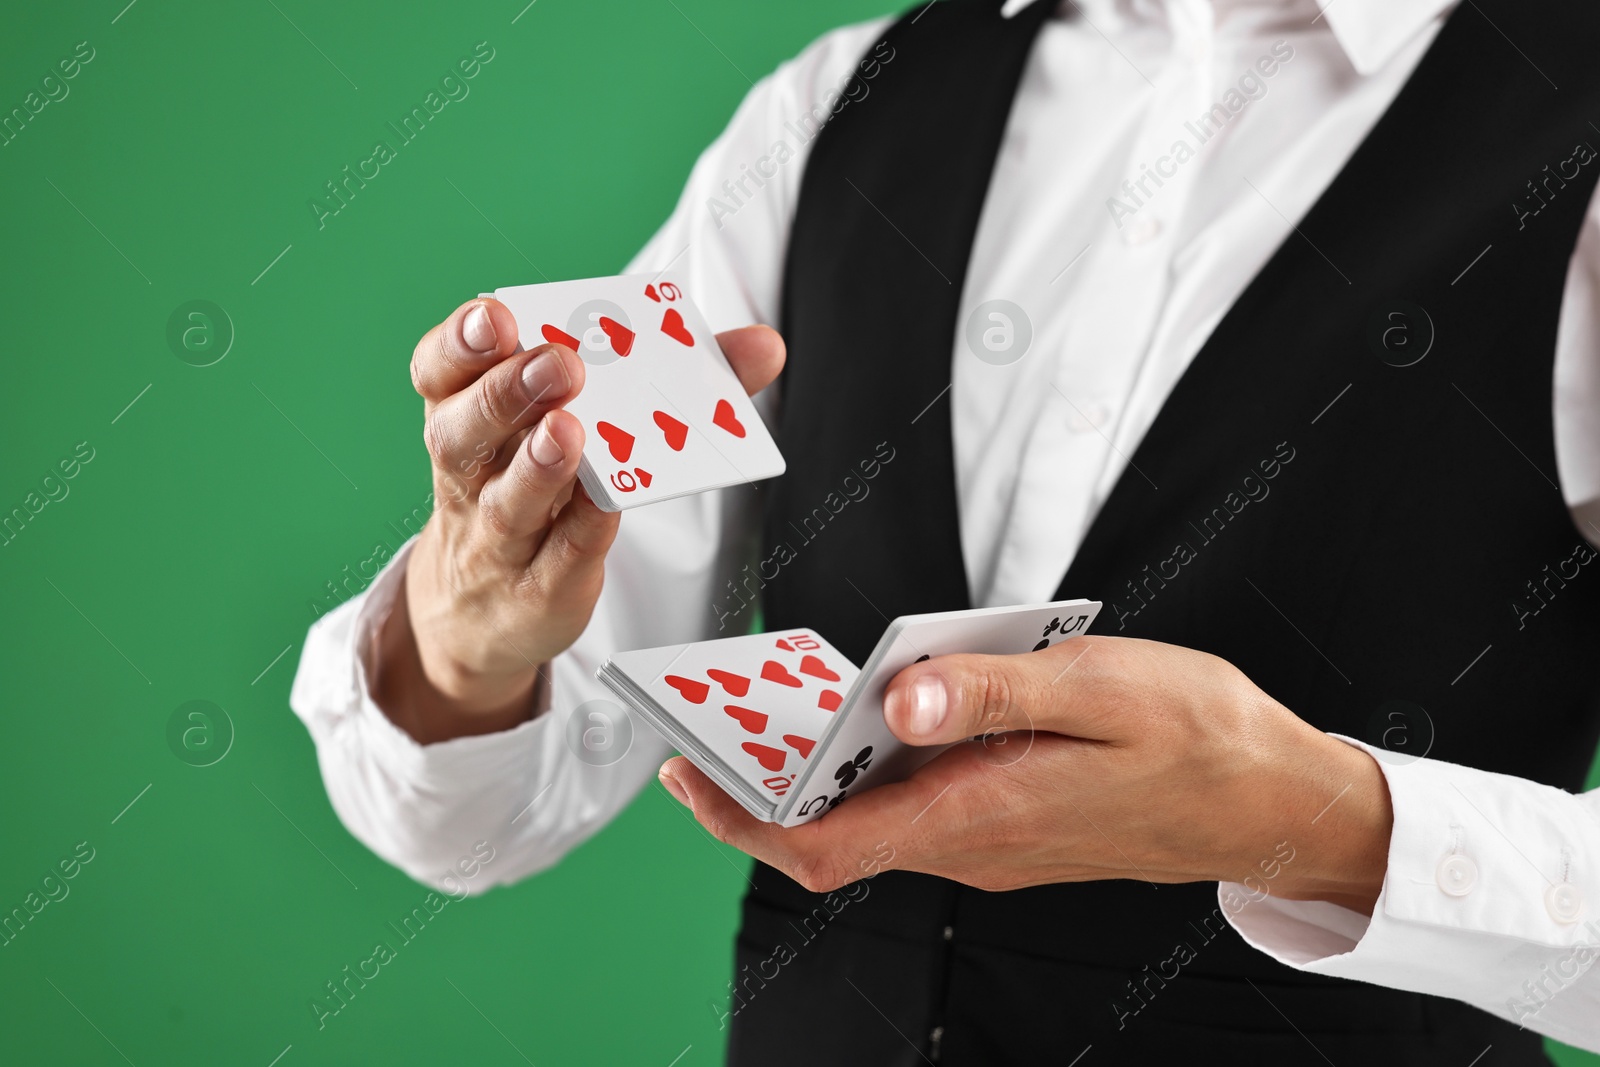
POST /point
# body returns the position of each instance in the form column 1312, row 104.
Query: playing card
column 758, row 703
column 859, row 750
column 662, row 411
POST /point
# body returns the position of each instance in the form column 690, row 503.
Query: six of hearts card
column 663, row 413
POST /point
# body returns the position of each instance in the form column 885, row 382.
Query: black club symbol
column 850, row 768
column 1055, row 624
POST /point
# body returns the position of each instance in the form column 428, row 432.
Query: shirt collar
column 1369, row 31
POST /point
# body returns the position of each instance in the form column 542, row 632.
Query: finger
column 570, row 564
column 756, row 354
column 846, row 845
column 467, row 431
column 948, row 698
column 720, row 814
column 518, row 504
column 476, row 336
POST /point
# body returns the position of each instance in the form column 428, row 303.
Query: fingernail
column 477, row 329
column 674, row 788
column 545, row 378
column 929, row 705
column 546, row 452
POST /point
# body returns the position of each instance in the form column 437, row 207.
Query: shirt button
column 1456, row 874
column 1088, row 418
column 1141, row 231
column 949, row 932
column 1564, row 902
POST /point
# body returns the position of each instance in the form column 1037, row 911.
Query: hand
column 1103, row 757
column 507, row 571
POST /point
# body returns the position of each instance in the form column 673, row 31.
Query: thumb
column 952, row 698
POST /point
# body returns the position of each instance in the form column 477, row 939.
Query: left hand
column 1103, row 757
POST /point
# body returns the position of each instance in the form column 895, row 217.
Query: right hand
column 507, row 571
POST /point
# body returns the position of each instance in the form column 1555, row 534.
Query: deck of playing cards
column 663, row 414
column 789, row 727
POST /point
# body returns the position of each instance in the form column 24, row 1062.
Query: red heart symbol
column 754, row 721
column 737, row 684
column 676, row 432
column 725, row 418
column 786, row 646
column 620, row 440
column 561, row 337
column 692, row 691
column 773, row 671
column 813, row 666
column 650, row 291
column 802, row 745
column 644, row 476
column 771, row 758
column 672, row 325
column 830, row 700
column 620, row 336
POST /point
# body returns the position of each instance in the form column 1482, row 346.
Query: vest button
column 949, row 932
column 1456, row 874
column 1564, row 902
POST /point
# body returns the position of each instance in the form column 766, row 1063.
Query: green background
column 184, row 562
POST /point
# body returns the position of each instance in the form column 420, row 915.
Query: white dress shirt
column 1493, row 887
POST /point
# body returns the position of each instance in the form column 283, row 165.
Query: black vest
column 1396, row 548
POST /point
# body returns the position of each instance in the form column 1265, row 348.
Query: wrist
column 433, row 700
column 1345, row 856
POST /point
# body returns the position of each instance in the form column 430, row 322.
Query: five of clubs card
column 663, row 413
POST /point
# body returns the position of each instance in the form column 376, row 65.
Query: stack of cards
column 788, row 726
column 663, row 413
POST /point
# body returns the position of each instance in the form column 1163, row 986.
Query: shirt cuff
column 333, row 696
column 1488, row 875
